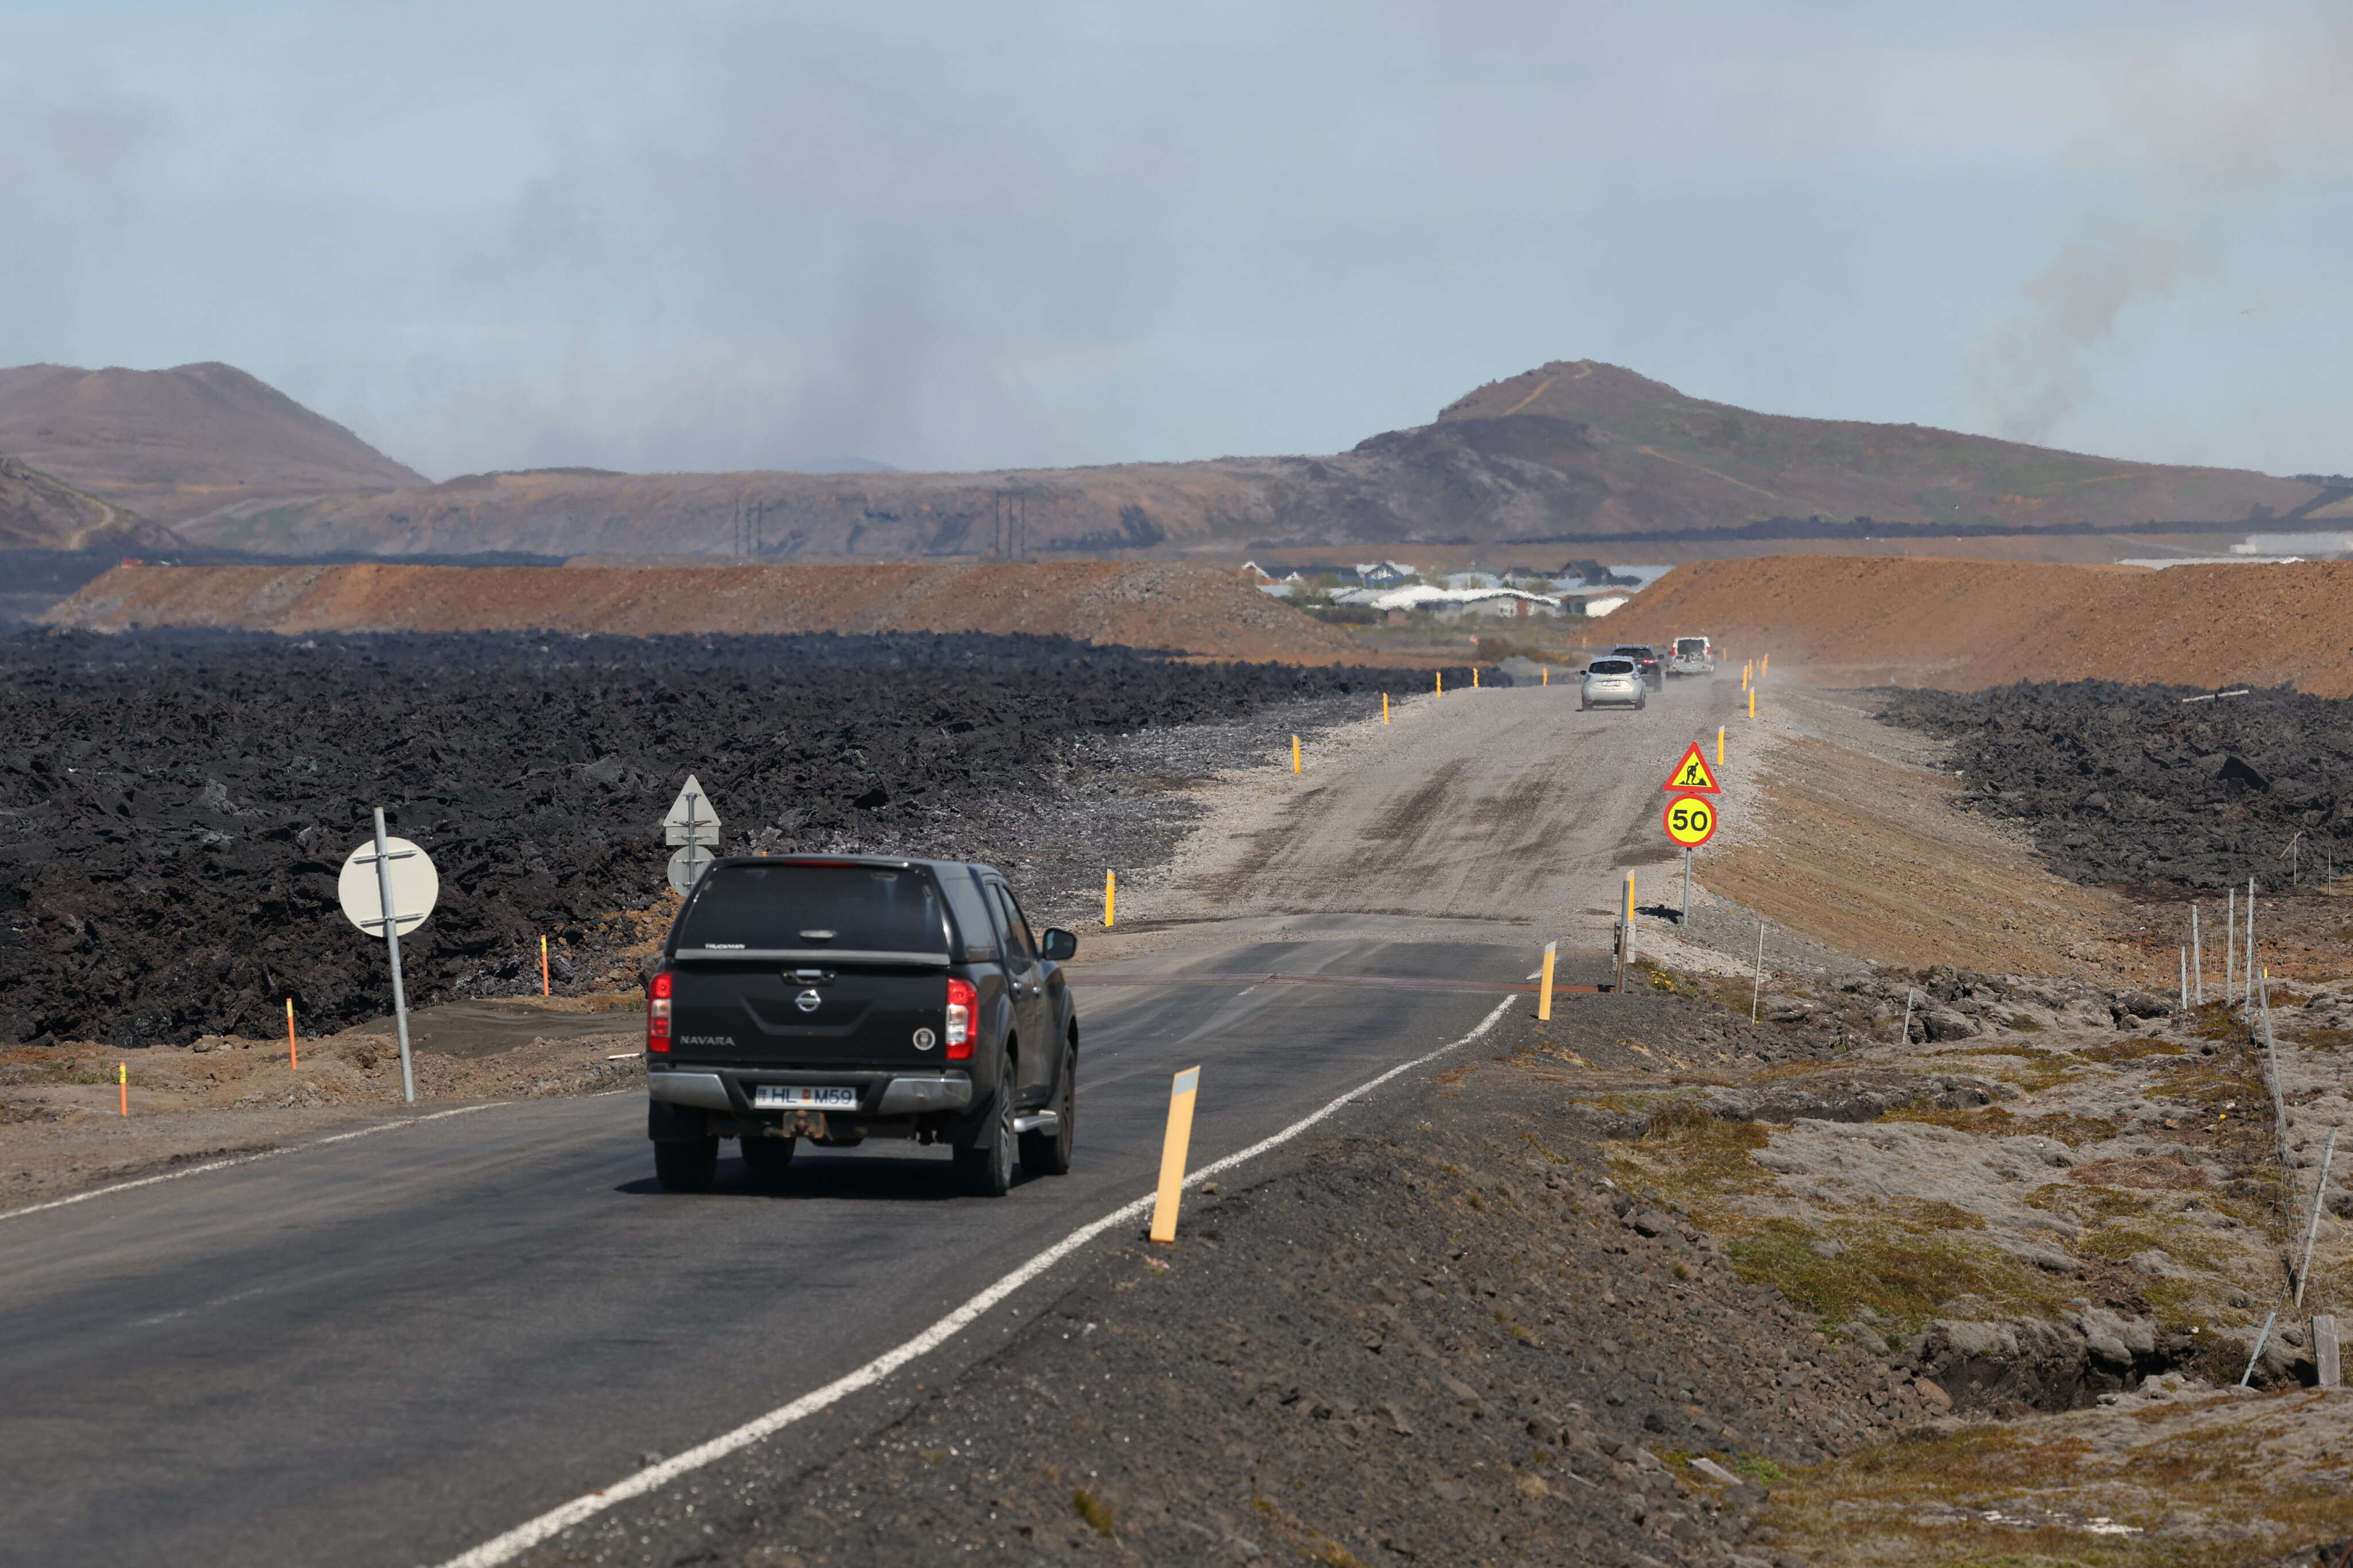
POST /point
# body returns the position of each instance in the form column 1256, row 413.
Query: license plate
column 797, row 1097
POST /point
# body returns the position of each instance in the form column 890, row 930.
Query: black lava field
column 174, row 808
column 2131, row 786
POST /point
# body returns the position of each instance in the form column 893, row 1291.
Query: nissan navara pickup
column 839, row 999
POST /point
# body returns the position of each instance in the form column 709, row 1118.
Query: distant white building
column 1599, row 605
column 1451, row 604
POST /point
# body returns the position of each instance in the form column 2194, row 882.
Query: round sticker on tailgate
column 925, row 1039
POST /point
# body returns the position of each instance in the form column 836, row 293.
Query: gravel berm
column 174, row 806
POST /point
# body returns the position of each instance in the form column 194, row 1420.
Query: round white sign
column 415, row 886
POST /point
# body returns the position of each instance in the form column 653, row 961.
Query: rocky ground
column 173, row 808
column 2134, row 787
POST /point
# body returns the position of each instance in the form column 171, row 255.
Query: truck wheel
column 986, row 1167
column 688, row 1165
column 767, row 1156
column 1048, row 1153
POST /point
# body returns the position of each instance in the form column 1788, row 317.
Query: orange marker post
column 1384, row 707
column 1545, row 673
column 1719, row 745
column 1474, row 677
column 1110, row 893
column 1173, row 1147
column 1442, row 683
column 1294, row 754
column 1752, row 702
column 122, row 1076
column 294, row 1058
column 544, row 991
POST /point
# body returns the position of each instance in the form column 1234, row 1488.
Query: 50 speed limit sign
column 1691, row 820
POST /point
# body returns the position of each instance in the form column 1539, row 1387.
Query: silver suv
column 1613, row 680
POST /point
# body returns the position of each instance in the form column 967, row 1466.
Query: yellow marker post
column 544, row 990
column 1110, row 893
column 1719, row 745
column 1294, row 754
column 122, row 1076
column 1765, row 667
column 1752, row 702
column 1181, row 1090
column 1547, row 673
column 1442, row 683
column 293, row 1057
column 1544, row 993
column 1384, row 707
column 1475, row 676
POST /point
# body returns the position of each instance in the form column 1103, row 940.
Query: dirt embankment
column 1189, row 609
column 1964, row 625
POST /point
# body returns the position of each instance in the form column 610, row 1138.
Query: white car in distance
column 1612, row 679
column 1691, row 656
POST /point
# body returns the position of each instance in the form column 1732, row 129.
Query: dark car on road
column 1646, row 658
column 839, row 998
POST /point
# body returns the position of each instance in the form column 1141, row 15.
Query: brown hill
column 1964, row 625
column 1564, row 451
column 39, row 512
column 1202, row 610
column 180, row 444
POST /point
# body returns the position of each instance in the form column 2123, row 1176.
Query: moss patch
column 1896, row 1272
column 2132, row 1050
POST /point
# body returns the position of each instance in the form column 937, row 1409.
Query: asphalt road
column 387, row 1350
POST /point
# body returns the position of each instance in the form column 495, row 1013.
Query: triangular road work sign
column 691, row 819
column 1693, row 776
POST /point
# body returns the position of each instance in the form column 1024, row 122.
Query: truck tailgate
column 769, row 1012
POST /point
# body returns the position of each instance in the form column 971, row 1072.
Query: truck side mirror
column 1059, row 943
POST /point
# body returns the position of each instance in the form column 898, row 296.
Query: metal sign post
column 692, row 822
column 395, row 896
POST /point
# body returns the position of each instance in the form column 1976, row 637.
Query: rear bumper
column 880, row 1094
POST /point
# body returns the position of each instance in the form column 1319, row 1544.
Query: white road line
column 523, row 1537
column 406, row 1121
column 146, row 1181
column 240, row 1160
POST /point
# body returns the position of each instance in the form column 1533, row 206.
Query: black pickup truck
column 839, row 999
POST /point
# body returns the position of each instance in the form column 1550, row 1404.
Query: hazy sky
column 961, row 235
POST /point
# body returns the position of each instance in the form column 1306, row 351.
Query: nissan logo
column 808, row 1001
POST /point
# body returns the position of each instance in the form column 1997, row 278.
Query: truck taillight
column 657, row 1013
column 962, row 1001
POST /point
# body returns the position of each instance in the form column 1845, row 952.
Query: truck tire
column 986, row 1167
column 1048, row 1153
column 687, row 1165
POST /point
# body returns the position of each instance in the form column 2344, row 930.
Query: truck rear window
column 843, row 908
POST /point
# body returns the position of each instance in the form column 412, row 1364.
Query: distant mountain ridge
column 180, row 444
column 1569, row 452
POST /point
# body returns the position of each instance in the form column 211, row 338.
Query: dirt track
column 1868, row 621
column 1189, row 609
